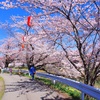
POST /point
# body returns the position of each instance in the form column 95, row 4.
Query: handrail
column 93, row 92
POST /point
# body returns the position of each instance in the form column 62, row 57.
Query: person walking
column 32, row 71
column 0, row 69
column 10, row 70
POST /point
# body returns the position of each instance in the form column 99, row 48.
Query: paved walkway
column 21, row 88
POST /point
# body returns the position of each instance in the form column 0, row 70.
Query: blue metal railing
column 85, row 89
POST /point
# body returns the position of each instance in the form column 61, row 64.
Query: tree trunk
column 6, row 64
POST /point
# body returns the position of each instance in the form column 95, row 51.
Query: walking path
column 21, row 88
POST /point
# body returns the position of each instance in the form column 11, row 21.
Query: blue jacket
column 32, row 70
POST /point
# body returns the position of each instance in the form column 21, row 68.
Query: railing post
column 82, row 96
column 54, row 81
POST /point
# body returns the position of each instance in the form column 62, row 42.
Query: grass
column 75, row 94
column 97, row 84
column 2, row 87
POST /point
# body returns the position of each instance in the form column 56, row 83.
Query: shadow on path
column 26, row 86
column 55, row 98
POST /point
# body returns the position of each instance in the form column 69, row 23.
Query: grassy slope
column 1, row 87
column 75, row 94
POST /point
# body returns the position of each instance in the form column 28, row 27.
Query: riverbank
column 1, row 87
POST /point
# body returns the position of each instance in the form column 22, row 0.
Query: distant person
column 19, row 72
column 32, row 71
column 0, row 69
column 10, row 70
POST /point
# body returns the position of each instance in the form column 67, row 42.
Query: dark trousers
column 32, row 75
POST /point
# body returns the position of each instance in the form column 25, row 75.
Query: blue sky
column 5, row 16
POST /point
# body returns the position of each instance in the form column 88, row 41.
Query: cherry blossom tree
column 8, row 51
column 77, row 31
column 72, row 26
column 32, row 47
column 75, row 27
